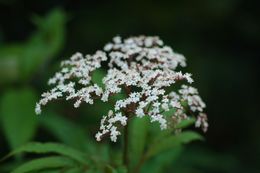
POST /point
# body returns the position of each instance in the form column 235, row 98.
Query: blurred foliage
column 220, row 40
column 17, row 114
column 18, row 64
column 19, row 61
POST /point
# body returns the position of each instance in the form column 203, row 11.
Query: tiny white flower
column 38, row 108
column 98, row 136
column 108, row 47
column 117, row 39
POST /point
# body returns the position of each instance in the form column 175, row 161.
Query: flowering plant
column 143, row 68
column 143, row 84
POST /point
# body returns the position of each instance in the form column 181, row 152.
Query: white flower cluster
column 144, row 69
column 80, row 68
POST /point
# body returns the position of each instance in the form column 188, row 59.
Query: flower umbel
column 142, row 67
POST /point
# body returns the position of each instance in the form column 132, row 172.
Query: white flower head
column 142, row 67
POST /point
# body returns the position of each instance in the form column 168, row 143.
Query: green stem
column 125, row 147
column 140, row 164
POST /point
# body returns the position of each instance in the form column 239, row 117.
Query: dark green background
column 220, row 39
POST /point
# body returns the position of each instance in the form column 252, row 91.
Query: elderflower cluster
column 141, row 67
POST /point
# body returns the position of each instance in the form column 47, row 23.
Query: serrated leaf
column 45, row 163
column 171, row 142
column 43, row 148
column 17, row 115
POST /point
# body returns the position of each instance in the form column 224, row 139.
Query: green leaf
column 43, row 148
column 20, row 61
column 9, row 63
column 75, row 170
column 137, row 137
column 97, row 77
column 121, row 169
column 162, row 161
column 170, row 112
column 45, row 43
column 19, row 121
column 67, row 131
column 185, row 123
column 167, row 143
column 196, row 158
column 56, row 170
column 45, row 163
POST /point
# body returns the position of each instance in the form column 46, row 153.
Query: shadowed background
column 220, row 40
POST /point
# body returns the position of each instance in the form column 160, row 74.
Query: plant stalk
column 140, row 164
column 125, row 147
